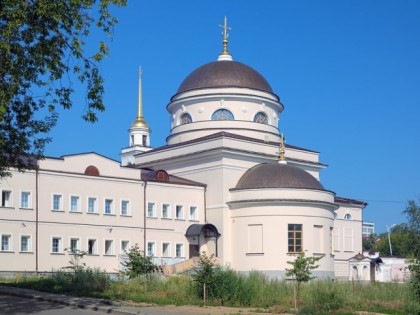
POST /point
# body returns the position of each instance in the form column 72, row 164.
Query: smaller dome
column 277, row 176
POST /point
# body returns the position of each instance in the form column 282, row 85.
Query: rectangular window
column 125, row 207
column 166, row 250
column 6, row 243
column 193, row 213
column 92, row 205
column 125, row 247
column 92, row 247
column 165, row 211
column 25, row 243
column 74, row 245
column 6, row 198
column 109, row 206
column 348, row 239
column 295, row 238
column 56, row 245
column 74, row 204
column 151, row 211
column 179, row 250
column 151, row 249
column 57, row 202
column 179, row 214
column 331, row 240
column 255, row 239
column 109, row 247
column 25, row 200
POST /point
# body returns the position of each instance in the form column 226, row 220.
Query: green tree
column 42, row 48
column 138, row 263
column 301, row 271
column 205, row 277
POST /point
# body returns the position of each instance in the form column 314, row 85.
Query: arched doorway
column 202, row 238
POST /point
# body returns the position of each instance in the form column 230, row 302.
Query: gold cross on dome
column 225, row 29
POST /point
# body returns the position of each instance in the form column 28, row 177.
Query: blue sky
column 347, row 72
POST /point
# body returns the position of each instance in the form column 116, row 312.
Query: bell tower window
column 186, row 119
column 222, row 114
column 144, row 140
column 261, row 118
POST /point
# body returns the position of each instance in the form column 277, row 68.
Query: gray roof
column 277, row 176
column 224, row 74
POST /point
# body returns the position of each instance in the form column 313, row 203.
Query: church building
column 226, row 183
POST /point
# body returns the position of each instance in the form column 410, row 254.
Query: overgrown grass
column 234, row 289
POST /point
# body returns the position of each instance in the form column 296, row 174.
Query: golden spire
column 225, row 55
column 282, row 159
column 140, row 122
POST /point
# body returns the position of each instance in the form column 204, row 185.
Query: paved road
column 10, row 305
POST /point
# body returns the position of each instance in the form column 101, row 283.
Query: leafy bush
column 138, row 263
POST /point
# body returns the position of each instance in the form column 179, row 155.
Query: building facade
column 225, row 184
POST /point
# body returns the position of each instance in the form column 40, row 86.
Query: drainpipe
column 205, row 205
column 36, row 217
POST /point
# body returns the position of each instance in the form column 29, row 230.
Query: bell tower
column 139, row 132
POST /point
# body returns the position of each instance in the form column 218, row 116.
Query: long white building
column 225, row 183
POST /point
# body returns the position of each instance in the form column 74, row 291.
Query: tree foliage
column 205, row 277
column 42, row 47
column 138, row 264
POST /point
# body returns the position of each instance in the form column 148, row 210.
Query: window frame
column 28, row 244
column 7, row 203
column 111, row 249
column 195, row 216
column 77, row 209
column 28, row 201
column 70, row 249
column 168, row 216
column 217, row 114
column 291, row 230
column 9, row 248
column 59, row 244
column 168, row 254
column 122, row 251
column 127, row 208
column 181, row 216
column 109, row 206
column 260, row 113
column 60, row 202
column 151, row 253
column 179, row 250
column 153, row 214
column 94, row 250
column 95, row 205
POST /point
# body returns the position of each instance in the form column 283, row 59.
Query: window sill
column 110, row 214
column 95, row 213
column 10, row 207
column 126, row 215
column 53, row 210
column 318, row 254
column 110, row 255
column 76, row 212
column 26, row 252
column 7, row 251
column 26, row 209
column 179, row 219
column 254, row 254
column 167, row 219
column 153, row 218
column 93, row 255
column 194, row 220
column 57, row 254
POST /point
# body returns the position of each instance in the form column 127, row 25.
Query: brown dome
column 224, row 74
column 277, row 176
